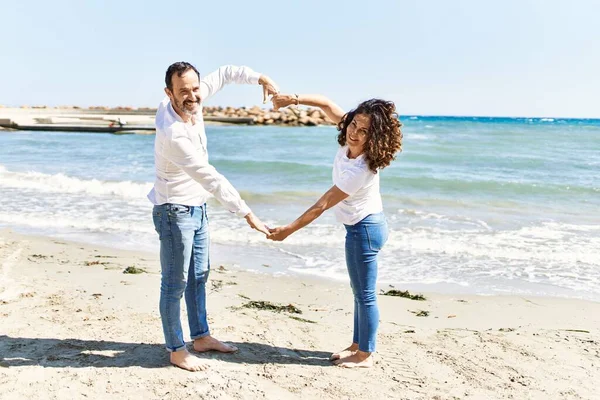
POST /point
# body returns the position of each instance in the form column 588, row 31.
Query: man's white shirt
column 183, row 173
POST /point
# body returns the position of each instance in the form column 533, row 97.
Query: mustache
column 192, row 102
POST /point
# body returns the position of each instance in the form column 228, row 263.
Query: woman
column 369, row 138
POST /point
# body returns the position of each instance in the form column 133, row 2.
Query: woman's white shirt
column 353, row 177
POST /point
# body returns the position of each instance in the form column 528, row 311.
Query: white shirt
column 353, row 177
column 183, row 174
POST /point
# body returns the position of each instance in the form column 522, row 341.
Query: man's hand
column 279, row 234
column 256, row 223
column 269, row 87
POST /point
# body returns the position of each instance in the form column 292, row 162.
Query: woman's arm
column 332, row 110
column 328, row 200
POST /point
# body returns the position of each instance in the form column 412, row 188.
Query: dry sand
column 73, row 325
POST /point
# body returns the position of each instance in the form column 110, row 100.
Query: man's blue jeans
column 363, row 242
column 184, row 243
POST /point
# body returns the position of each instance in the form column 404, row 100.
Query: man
column 184, row 181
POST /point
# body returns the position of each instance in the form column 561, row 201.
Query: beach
column 74, row 325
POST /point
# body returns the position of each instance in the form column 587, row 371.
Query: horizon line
column 402, row 116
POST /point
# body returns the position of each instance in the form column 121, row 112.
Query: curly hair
column 384, row 138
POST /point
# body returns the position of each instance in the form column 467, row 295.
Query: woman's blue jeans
column 363, row 242
column 184, row 261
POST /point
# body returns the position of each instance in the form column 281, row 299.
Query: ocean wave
column 265, row 166
column 423, row 216
column 60, row 183
column 547, row 244
column 558, row 254
column 281, row 197
column 61, row 221
column 485, row 187
column 417, row 136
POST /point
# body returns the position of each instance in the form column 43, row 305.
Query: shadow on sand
column 59, row 353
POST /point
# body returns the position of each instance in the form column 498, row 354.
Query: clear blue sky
column 436, row 57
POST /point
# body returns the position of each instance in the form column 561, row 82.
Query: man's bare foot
column 208, row 343
column 353, row 348
column 360, row 359
column 183, row 359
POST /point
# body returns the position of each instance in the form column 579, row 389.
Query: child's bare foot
column 344, row 353
column 184, row 360
column 208, row 343
column 360, row 359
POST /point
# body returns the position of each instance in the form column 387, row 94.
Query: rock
column 256, row 110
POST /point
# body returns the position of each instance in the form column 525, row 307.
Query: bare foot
column 353, row 348
column 208, row 343
column 183, row 359
column 360, row 359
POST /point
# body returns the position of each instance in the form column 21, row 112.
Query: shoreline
column 259, row 258
column 69, row 310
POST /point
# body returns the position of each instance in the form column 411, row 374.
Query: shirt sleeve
column 227, row 74
column 352, row 180
column 184, row 155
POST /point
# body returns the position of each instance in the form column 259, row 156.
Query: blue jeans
column 363, row 242
column 184, row 261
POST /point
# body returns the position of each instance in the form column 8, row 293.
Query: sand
column 74, row 325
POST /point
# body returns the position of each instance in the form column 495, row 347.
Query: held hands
column 283, row 100
column 269, row 87
column 276, row 234
column 279, row 234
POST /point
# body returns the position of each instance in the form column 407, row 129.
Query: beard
column 188, row 106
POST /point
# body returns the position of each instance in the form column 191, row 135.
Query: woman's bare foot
column 344, row 353
column 208, row 343
column 183, row 359
column 360, row 359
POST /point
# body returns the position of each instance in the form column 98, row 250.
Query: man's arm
column 227, row 74
column 183, row 154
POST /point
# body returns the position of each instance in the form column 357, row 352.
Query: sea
column 475, row 205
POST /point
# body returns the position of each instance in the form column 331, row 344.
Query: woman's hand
column 279, row 234
column 283, row 100
column 332, row 110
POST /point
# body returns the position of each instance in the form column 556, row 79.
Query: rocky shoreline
column 286, row 116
